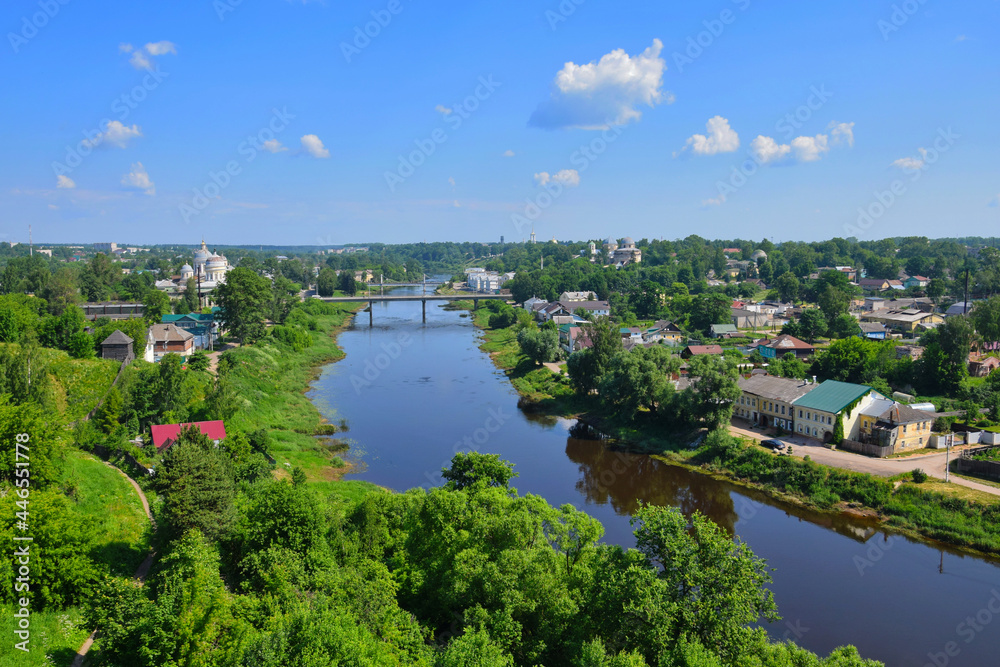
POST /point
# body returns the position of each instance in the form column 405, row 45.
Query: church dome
column 186, row 269
column 202, row 254
column 628, row 242
column 216, row 261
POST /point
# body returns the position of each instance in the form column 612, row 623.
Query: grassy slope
column 273, row 383
column 120, row 540
column 77, row 384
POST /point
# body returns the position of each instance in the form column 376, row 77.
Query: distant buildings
column 162, row 339
column 481, row 280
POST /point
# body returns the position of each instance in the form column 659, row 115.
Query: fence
column 967, row 464
column 877, row 451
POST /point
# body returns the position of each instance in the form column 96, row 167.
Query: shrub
column 919, row 476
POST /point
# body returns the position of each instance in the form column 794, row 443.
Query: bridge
column 423, row 298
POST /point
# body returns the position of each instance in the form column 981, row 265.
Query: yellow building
column 889, row 424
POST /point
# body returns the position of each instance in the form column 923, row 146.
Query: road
column 932, row 464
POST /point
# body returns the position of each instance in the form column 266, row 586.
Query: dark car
column 775, row 444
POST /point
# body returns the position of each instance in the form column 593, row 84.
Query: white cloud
column 140, row 57
column 140, row 61
column 160, row 48
column 718, row 201
column 768, row 150
column 451, row 179
column 842, row 133
column 911, row 163
column 569, row 178
column 442, row 109
column 273, row 146
column 961, row 38
column 508, row 153
column 802, row 149
column 603, row 93
column 455, row 204
column 139, row 178
column 810, row 149
column 312, row 145
column 53, row 207
column 720, row 138
column 115, row 134
column 65, row 182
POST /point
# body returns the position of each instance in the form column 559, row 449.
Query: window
column 800, row 414
column 782, row 409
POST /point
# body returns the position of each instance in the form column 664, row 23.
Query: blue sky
column 467, row 121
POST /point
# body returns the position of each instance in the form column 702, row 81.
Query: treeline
column 270, row 573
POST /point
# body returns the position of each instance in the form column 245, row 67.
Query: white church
column 211, row 268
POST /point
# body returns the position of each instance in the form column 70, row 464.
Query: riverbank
column 270, row 383
column 933, row 511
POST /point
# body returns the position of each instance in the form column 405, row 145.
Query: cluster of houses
column 872, row 423
column 177, row 334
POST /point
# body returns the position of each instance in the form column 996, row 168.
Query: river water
column 415, row 392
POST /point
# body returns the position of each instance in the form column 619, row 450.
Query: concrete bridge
column 423, row 298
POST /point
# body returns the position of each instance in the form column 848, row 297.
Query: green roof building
column 816, row 412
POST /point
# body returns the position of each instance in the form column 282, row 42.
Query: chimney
column 814, row 379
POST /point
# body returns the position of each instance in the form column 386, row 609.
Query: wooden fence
column 966, row 464
column 862, row 448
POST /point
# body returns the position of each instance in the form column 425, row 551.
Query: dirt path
column 932, row 464
column 140, row 574
column 213, row 357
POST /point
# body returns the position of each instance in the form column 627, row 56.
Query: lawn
column 54, row 639
column 104, row 496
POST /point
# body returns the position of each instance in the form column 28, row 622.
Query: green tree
column 539, row 345
column 195, row 481
column 715, row 389
column 986, row 317
column 244, row 299
column 346, row 283
column 833, row 301
column 717, row 585
column 812, row 324
column 61, row 291
column 788, row 286
column 475, row 469
column 790, row 366
column 709, row 309
column 198, row 361
column 107, row 416
column 156, row 305
column 639, row 379
column 844, row 325
column 190, row 297
column 326, row 281
column 285, row 294
column 170, row 391
column 587, row 367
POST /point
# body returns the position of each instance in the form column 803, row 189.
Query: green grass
column 77, row 384
column 54, row 639
column 102, row 495
column 272, row 381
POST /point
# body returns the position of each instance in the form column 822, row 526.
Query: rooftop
column 832, row 396
column 776, row 388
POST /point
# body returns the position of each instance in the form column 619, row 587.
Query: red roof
column 165, row 435
column 704, row 349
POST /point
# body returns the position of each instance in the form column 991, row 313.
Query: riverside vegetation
column 632, row 380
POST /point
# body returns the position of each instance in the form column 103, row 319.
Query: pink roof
column 165, row 435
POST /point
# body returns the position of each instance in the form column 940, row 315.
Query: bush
column 919, row 476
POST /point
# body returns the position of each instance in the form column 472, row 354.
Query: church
column 209, row 267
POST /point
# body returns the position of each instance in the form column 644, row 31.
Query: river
column 414, row 393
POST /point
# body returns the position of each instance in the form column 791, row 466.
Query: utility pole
column 31, row 247
column 947, row 457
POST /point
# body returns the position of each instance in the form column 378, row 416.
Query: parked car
column 775, row 444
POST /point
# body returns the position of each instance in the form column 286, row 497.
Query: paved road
column 932, row 464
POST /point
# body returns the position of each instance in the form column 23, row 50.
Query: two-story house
column 767, row 400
